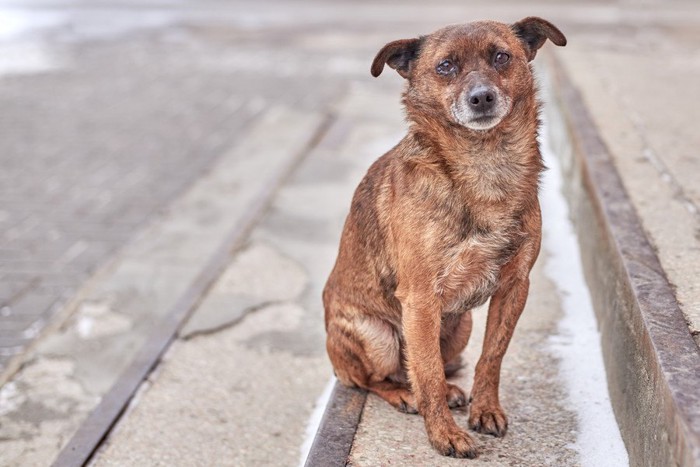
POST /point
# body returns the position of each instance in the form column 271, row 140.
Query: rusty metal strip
column 102, row 419
column 333, row 440
column 652, row 362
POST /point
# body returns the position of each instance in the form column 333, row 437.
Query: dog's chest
column 472, row 266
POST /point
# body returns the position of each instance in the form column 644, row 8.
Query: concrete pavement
column 223, row 79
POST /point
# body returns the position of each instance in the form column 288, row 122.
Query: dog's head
column 471, row 74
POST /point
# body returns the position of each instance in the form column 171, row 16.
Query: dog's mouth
column 478, row 122
column 484, row 122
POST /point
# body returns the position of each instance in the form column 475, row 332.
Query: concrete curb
column 652, row 362
column 333, row 440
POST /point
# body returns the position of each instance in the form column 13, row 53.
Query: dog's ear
column 399, row 55
column 534, row 31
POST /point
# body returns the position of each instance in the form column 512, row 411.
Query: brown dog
column 443, row 221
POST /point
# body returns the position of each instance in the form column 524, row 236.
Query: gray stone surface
column 258, row 276
column 244, row 407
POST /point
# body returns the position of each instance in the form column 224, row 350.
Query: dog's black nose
column 482, row 99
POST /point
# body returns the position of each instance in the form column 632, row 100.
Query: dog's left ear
column 534, row 31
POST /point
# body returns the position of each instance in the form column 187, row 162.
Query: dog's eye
column 501, row 58
column 446, row 67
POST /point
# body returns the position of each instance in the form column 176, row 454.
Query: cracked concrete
column 258, row 276
column 238, row 410
column 42, row 407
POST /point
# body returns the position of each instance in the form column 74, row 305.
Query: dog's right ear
column 399, row 55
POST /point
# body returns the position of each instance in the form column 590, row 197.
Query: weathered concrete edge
column 652, row 362
column 336, row 432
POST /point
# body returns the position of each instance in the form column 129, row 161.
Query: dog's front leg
column 421, row 327
column 486, row 414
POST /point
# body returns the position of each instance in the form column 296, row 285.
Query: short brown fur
column 441, row 223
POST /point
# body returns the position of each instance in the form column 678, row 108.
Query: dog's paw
column 453, row 442
column 407, row 405
column 488, row 419
column 402, row 399
column 455, row 396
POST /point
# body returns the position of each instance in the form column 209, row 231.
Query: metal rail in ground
column 333, row 441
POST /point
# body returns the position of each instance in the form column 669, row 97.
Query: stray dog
column 441, row 223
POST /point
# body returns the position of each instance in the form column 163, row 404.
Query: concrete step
column 651, row 358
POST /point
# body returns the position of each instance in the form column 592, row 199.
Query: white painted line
column 315, row 420
column 577, row 342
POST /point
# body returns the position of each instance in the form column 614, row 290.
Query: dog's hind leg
column 365, row 352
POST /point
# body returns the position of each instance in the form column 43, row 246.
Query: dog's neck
column 489, row 164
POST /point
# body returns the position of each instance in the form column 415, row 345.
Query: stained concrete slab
column 242, row 408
